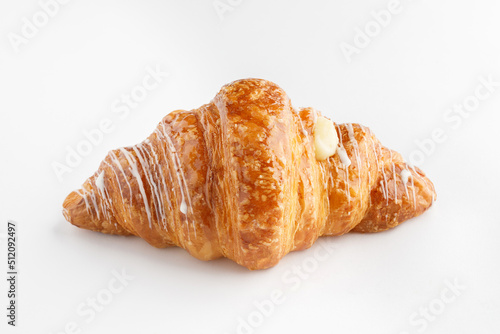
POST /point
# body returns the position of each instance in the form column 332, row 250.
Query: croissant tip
column 72, row 209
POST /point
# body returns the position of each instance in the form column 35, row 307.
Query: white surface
column 66, row 79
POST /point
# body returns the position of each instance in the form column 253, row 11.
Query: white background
column 65, row 79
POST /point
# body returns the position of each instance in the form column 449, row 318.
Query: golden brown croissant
column 238, row 177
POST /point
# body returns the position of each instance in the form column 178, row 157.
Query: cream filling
column 325, row 138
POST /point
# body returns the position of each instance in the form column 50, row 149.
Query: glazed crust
column 238, row 178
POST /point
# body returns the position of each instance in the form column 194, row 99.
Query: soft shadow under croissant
column 238, row 178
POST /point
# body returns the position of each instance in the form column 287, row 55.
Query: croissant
column 240, row 178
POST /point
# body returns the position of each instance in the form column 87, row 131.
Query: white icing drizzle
column 156, row 196
column 162, row 183
column 304, row 132
column 82, row 193
column 135, row 172
column 367, row 160
column 350, row 132
column 160, row 135
column 413, row 167
column 395, row 180
column 405, row 175
column 375, row 152
column 89, row 206
column 94, row 202
column 325, row 176
column 175, row 160
column 413, row 185
column 180, row 176
column 315, row 115
column 330, row 178
column 183, row 207
column 113, row 157
column 66, row 213
column 106, row 208
column 105, row 203
column 384, row 189
column 99, row 181
column 352, row 138
column 344, row 158
column 384, row 186
column 414, row 194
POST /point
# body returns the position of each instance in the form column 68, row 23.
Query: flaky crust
column 238, row 178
